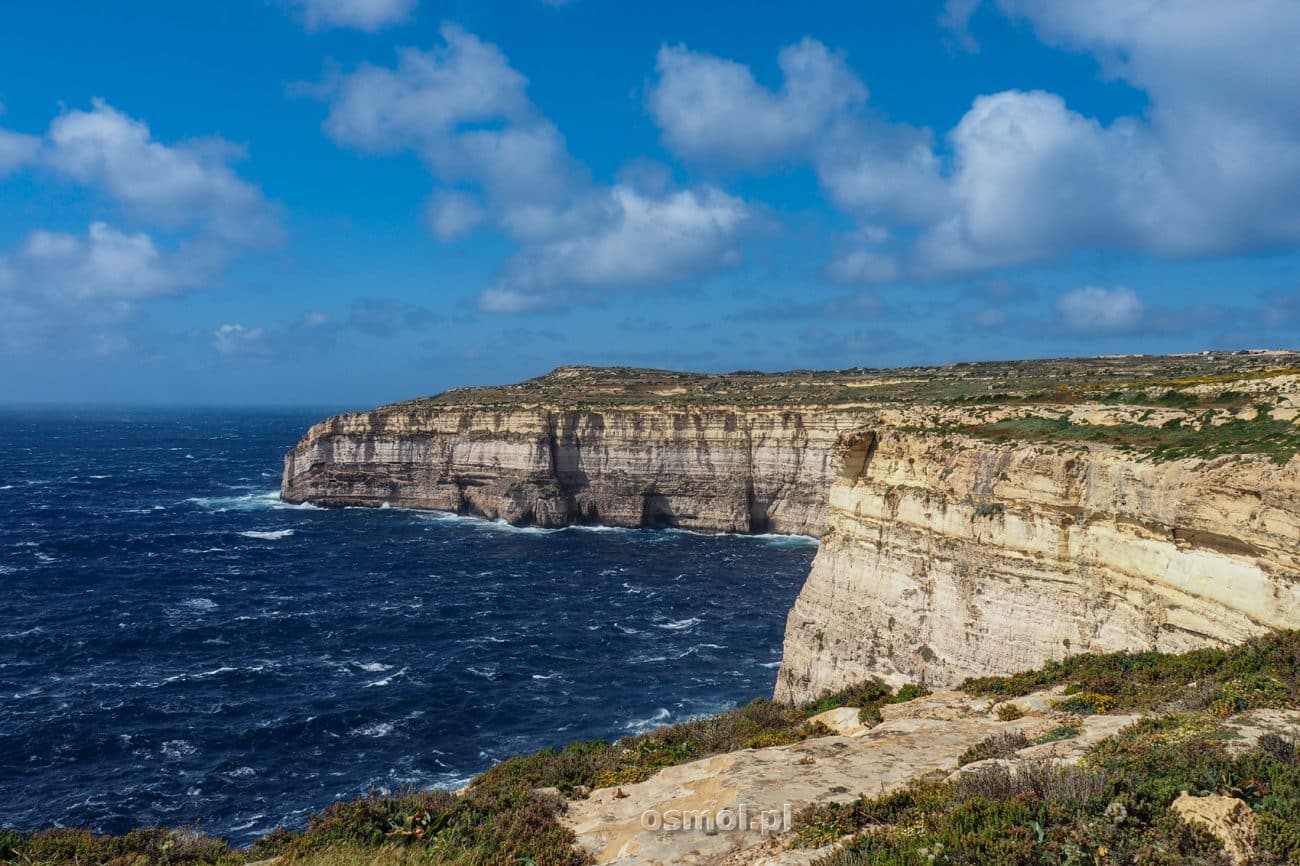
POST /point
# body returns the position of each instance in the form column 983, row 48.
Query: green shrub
column 1009, row 712
column 1264, row 671
column 996, row 746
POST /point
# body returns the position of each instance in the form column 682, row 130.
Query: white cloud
column 105, row 264
column 466, row 112
column 190, row 213
column 368, row 15
column 1095, row 310
column 1211, row 168
column 453, row 214
column 236, row 339
column 186, row 184
column 17, row 151
column 712, row 109
column 70, row 286
column 640, row 240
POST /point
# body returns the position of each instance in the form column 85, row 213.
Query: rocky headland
column 975, row 519
column 1052, row 618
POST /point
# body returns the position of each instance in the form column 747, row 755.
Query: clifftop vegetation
column 1112, row 807
column 1053, row 381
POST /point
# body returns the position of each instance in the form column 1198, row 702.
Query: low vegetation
column 1174, row 440
column 508, row 816
column 1264, row 672
column 1114, row 806
column 997, row 746
column 1133, row 380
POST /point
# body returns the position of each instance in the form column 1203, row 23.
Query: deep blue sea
column 180, row 648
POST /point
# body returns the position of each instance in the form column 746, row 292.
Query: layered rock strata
column 948, row 557
column 727, row 470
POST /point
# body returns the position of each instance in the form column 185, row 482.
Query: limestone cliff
column 717, row 469
column 975, row 519
column 947, row 556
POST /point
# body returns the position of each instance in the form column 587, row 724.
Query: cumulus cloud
column 191, row 183
column 368, row 15
column 69, row 285
column 1211, row 168
column 712, row 109
column 191, row 213
column 639, row 240
column 1095, row 310
column 16, row 151
column 502, row 163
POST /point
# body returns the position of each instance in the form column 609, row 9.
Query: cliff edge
column 975, row 518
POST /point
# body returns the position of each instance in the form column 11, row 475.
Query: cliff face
column 724, row 469
column 947, row 557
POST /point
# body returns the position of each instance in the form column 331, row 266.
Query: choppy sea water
column 179, row 647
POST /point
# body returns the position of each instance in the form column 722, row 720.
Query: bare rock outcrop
column 1228, row 819
column 947, row 557
column 728, row 470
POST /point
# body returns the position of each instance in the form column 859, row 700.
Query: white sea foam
column 386, row 681
column 203, row 675
column 248, row 502
column 373, row 667
column 268, row 535
column 178, row 749
column 200, row 604
column 487, row 672
column 679, row 625
column 378, row 729
column 659, row 719
column 248, row 825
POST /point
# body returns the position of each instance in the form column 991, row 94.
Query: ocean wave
column 373, row 667
column 215, row 672
column 678, row 625
column 267, row 499
column 176, row 749
column 658, row 720
column 386, row 681
column 378, row 729
column 247, row 825
column 268, row 535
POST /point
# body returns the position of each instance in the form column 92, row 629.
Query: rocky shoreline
column 976, row 519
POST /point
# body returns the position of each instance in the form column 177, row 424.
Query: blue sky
column 345, row 202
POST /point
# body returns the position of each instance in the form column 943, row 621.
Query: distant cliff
column 975, row 519
column 716, row 469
